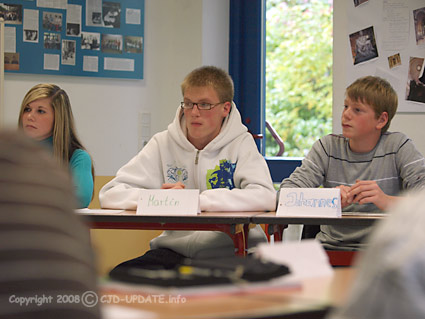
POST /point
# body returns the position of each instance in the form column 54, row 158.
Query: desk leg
column 245, row 237
column 277, row 231
column 240, row 239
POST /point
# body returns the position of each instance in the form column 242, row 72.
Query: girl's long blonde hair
column 65, row 139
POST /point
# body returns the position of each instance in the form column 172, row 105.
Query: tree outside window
column 298, row 73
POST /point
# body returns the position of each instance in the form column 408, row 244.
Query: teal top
column 80, row 165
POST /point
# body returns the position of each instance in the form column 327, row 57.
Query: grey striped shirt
column 395, row 164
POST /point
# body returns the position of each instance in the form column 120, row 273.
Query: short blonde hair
column 376, row 92
column 212, row 76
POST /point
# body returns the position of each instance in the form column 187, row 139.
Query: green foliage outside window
column 298, row 73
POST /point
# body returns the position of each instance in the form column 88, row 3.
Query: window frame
column 247, row 58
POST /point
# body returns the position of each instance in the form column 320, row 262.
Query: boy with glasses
column 207, row 148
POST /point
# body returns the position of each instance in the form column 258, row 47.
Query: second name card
column 309, row 202
column 168, row 202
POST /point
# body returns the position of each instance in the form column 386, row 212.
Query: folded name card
column 168, row 202
column 309, row 202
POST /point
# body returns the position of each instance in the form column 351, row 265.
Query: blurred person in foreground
column 390, row 281
column 46, row 259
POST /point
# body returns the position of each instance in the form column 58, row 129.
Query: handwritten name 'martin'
column 153, row 201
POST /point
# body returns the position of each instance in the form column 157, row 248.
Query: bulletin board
column 386, row 38
column 93, row 38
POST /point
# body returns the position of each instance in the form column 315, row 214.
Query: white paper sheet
column 309, row 202
column 306, row 259
column 98, row 211
column 116, row 311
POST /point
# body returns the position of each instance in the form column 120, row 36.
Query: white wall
column 215, row 33
column 107, row 110
column 409, row 123
column 179, row 36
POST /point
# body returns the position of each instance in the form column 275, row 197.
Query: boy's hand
column 178, row 185
column 344, row 195
column 363, row 192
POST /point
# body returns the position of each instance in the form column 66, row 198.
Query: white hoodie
column 231, row 158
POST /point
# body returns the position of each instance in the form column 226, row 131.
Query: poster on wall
column 386, row 38
column 415, row 88
column 363, row 45
column 93, row 38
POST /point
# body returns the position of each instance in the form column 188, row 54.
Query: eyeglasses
column 201, row 106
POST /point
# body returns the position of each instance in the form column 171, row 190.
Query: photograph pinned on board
column 111, row 14
column 73, row 29
column 52, row 41
column 394, row 60
column 11, row 13
column 11, row 61
column 133, row 44
column 96, row 19
column 52, row 21
column 68, row 52
column 419, row 22
column 415, row 89
column 30, row 36
column 112, row 43
column 90, row 41
column 363, row 45
column 359, row 2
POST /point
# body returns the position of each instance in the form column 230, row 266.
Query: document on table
column 98, row 211
column 118, row 311
column 306, row 259
column 282, row 282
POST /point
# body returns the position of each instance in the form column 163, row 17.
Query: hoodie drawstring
column 197, row 157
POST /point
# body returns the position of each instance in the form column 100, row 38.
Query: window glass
column 298, row 73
